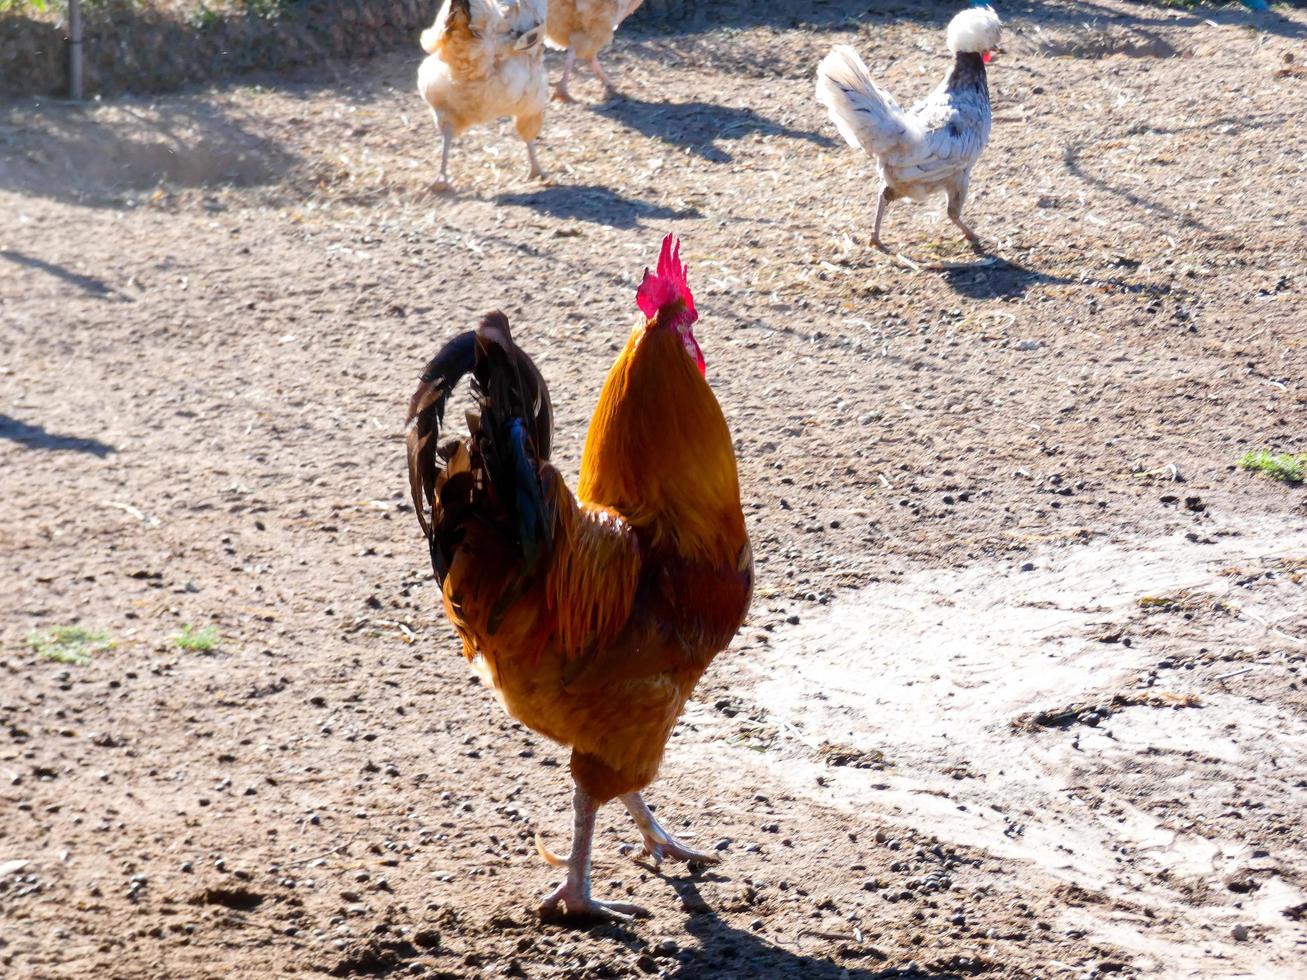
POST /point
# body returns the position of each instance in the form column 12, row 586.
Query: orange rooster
column 590, row 616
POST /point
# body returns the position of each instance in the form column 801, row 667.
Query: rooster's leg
column 561, row 94
column 658, row 843
column 574, row 893
column 610, row 90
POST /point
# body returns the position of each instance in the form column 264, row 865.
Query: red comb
column 668, row 285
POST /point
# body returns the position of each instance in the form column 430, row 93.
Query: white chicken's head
column 974, row 31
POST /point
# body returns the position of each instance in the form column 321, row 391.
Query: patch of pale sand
column 933, row 669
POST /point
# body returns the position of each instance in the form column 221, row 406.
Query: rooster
column 485, row 60
column 591, row 616
column 583, row 28
column 934, row 146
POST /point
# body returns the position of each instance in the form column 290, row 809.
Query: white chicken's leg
column 610, row 90
column 886, row 195
column 956, row 197
column 658, row 843
column 561, row 94
column 574, row 893
column 446, row 132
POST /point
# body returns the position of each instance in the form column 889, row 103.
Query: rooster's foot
column 440, row 186
column 562, row 95
column 576, row 903
column 658, row 843
column 667, row 848
column 613, row 94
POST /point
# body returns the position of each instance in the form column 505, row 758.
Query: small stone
column 1240, row 933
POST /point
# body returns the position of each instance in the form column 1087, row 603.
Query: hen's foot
column 902, row 261
column 440, row 186
column 613, row 94
column 562, row 95
column 572, row 901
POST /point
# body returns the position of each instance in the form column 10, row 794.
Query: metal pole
column 75, row 50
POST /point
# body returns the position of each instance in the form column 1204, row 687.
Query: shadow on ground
column 834, row 15
column 97, row 156
column 87, row 284
column 699, row 126
column 999, row 279
column 36, row 437
column 599, row 205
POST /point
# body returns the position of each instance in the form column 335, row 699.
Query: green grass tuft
column 69, row 644
column 1289, row 467
column 202, row 640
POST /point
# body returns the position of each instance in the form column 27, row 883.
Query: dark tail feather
column 494, row 473
column 517, row 429
column 426, row 413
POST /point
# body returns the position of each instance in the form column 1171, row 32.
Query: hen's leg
column 574, row 893
column 528, row 127
column 956, row 197
column 658, row 843
column 561, row 94
column 536, row 173
column 610, row 90
column 886, row 195
column 446, row 132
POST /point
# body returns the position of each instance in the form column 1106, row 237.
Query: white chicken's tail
column 865, row 114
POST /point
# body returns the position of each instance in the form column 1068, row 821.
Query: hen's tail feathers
column 459, row 12
column 495, row 471
column 865, row 114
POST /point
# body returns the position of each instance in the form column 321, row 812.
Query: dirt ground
column 1022, row 692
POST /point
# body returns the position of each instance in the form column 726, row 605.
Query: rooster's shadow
column 724, row 952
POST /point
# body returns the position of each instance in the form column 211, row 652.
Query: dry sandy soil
column 1022, row 693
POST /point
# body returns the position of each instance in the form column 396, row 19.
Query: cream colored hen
column 583, row 28
column 485, row 60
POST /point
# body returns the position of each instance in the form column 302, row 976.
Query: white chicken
column 932, row 147
column 485, row 60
